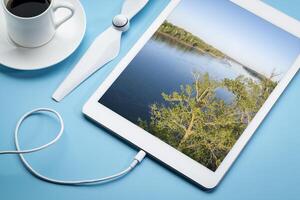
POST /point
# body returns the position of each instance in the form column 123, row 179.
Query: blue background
column 268, row 168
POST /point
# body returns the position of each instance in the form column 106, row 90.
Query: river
column 162, row 66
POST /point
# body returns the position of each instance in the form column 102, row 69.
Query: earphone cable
column 137, row 159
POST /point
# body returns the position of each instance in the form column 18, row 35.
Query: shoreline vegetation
column 188, row 41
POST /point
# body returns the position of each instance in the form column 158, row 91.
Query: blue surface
column 267, row 169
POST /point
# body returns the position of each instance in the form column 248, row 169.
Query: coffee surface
column 27, row 8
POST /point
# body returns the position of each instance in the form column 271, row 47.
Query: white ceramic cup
column 38, row 30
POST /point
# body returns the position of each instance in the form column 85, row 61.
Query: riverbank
column 188, row 39
column 185, row 45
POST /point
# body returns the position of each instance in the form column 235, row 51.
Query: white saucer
column 65, row 42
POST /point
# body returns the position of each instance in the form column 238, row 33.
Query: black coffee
column 27, row 8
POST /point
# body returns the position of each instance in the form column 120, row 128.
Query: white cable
column 137, row 159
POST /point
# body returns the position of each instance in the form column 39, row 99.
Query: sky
column 238, row 33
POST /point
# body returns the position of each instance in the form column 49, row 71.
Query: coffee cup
column 32, row 23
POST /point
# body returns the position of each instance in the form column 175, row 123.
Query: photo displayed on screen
column 202, row 77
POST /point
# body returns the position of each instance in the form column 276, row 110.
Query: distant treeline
column 174, row 32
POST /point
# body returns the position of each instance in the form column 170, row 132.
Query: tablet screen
column 202, row 77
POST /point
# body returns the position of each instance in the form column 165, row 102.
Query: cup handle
column 65, row 5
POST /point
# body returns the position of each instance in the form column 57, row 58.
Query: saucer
column 66, row 40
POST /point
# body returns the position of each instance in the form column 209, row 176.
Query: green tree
column 202, row 126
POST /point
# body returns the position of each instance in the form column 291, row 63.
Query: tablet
column 197, row 84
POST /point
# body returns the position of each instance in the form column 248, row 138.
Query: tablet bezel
column 161, row 150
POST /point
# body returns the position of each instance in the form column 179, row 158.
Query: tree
column 202, row 126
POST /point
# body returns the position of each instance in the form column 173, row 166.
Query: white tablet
column 197, row 84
